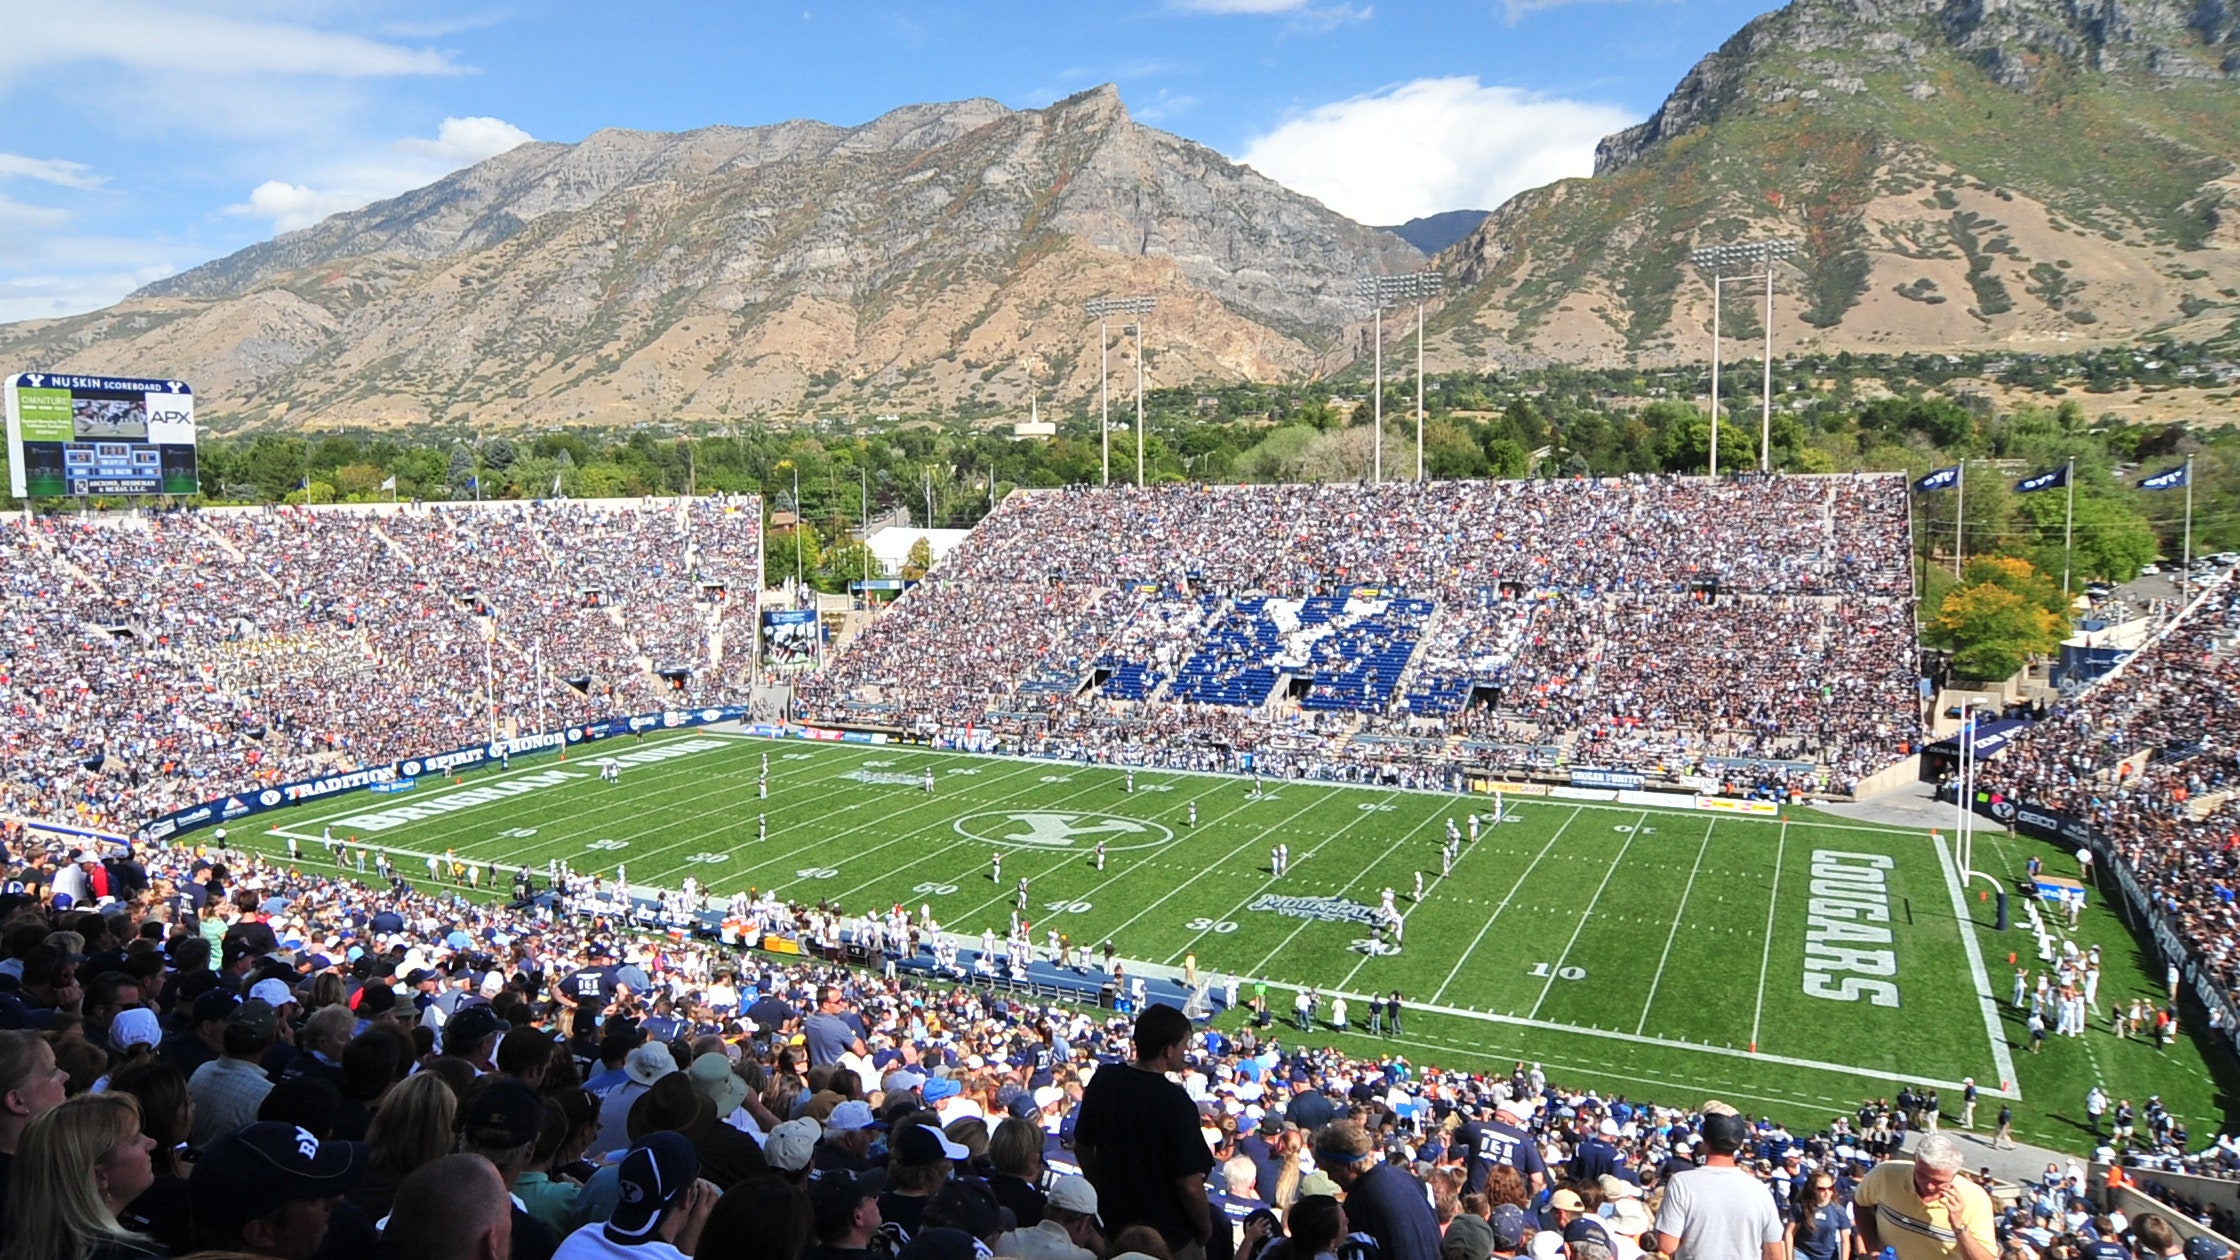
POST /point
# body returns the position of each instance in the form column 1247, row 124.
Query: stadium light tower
column 1752, row 258
column 1380, row 292
column 1102, row 309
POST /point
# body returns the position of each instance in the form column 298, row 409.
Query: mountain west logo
column 1048, row 829
column 1319, row 909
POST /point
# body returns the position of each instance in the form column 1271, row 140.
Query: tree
column 779, row 556
column 2003, row 615
column 919, row 560
column 844, row 563
column 459, row 474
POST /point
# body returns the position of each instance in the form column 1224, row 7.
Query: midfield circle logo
column 1045, row 829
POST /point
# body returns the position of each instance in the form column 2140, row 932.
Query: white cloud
column 1432, row 145
column 68, row 293
column 465, row 141
column 49, row 171
column 409, row 163
column 177, row 40
column 15, row 214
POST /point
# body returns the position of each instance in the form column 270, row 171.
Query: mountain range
column 2031, row 174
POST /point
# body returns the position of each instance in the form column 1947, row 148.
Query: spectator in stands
column 1137, row 1138
column 31, row 1085
column 1382, row 1201
column 269, row 1189
column 1924, row 1208
column 661, row 1212
column 81, row 1164
column 1719, row 1211
column 228, row 1089
column 454, row 1208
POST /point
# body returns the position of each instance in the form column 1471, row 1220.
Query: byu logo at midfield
column 1051, row 829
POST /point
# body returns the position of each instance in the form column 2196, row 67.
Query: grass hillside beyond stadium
column 1629, row 950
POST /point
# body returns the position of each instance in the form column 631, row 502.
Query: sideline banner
column 401, row 775
column 1736, row 805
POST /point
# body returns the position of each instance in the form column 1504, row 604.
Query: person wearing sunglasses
column 1819, row 1223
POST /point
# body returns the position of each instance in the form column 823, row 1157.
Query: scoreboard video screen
column 76, row 436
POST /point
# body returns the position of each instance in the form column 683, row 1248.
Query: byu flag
column 1939, row 479
column 390, row 483
column 2172, row 480
column 2054, row 480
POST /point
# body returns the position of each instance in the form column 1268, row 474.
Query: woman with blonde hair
column 413, row 1127
column 77, row 1168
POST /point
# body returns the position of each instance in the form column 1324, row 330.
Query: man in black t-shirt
column 1138, row 1139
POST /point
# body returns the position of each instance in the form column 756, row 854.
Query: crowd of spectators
column 157, row 660
column 200, row 1051
column 1644, row 623
column 2146, row 759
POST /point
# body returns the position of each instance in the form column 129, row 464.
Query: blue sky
column 141, row 137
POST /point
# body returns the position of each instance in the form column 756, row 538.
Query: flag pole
column 2068, row 526
column 1959, row 519
column 2186, row 581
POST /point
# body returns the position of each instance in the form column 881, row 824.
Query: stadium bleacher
column 1646, row 620
column 189, row 655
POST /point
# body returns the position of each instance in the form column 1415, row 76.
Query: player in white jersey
column 1419, row 886
column 1100, row 855
column 1193, row 813
column 761, row 828
column 762, row 788
column 1390, row 910
column 1131, row 779
column 995, row 872
column 929, row 780
column 1022, row 894
column 1453, row 832
column 1473, row 828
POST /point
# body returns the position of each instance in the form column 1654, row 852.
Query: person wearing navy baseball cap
column 661, row 1208
column 269, row 1189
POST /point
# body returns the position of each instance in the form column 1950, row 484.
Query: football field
column 1791, row 965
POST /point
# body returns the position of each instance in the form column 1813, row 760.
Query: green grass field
column 1657, row 953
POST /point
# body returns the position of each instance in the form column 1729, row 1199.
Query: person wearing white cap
column 1069, row 1227
column 847, row 1138
column 791, row 1148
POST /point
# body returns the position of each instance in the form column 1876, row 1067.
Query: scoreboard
column 76, row 436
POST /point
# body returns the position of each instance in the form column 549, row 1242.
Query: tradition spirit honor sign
column 1045, row 829
column 77, row 436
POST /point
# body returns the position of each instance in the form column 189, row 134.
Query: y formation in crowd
column 1749, row 636
column 203, row 1053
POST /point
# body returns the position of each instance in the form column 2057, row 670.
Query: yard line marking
column 2000, row 1057
column 1505, row 903
column 1413, row 906
column 1253, row 840
column 1638, row 1039
column 1270, row 882
column 1765, row 955
column 1674, row 934
column 1565, row 956
column 1302, row 924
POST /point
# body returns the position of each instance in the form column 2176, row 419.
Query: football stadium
column 1406, row 774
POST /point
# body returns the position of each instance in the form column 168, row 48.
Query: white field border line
column 1612, row 1034
column 1765, row 954
column 1527, row 874
column 1586, row 916
column 1360, row 816
column 1637, row 1081
column 633, row 806
column 1677, row 915
column 654, row 855
column 1412, row 906
column 2001, row 1058
column 502, row 776
column 1508, row 799
column 930, row 855
column 1126, row 871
